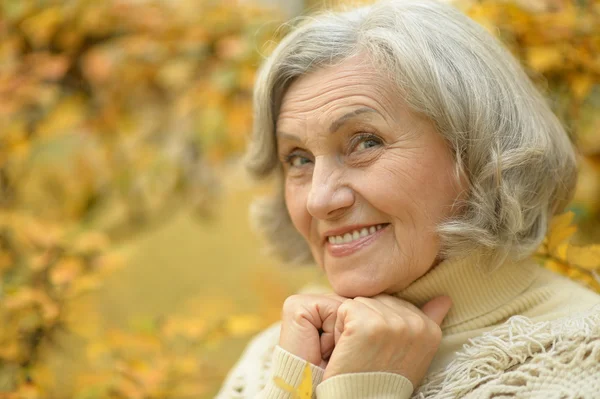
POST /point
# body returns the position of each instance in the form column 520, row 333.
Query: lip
column 340, row 250
column 347, row 229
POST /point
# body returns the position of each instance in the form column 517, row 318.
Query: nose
column 329, row 195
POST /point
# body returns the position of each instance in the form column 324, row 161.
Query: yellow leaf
column 10, row 351
column 304, row 390
column 6, row 261
column 305, row 387
column 49, row 307
column 561, row 250
column 28, row 390
column 581, row 84
column 67, row 115
column 41, row 26
column 175, row 75
column 65, row 271
column 556, row 267
column 575, row 274
column 19, row 300
column 191, row 328
column 240, row 325
column 91, row 242
column 188, row 365
column 283, row 385
column 560, row 231
column 544, row 58
column 82, row 285
column 587, row 257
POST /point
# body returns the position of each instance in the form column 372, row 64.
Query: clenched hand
column 382, row 333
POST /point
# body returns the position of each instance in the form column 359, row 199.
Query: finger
column 373, row 304
column 327, row 344
column 327, row 330
column 351, row 308
column 319, row 310
column 335, row 296
column 358, row 310
column 327, row 312
column 340, row 320
column 397, row 304
column 306, row 318
column 437, row 308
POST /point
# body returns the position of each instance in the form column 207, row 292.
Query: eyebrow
column 336, row 125
column 343, row 119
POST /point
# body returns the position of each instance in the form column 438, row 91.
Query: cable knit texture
column 516, row 332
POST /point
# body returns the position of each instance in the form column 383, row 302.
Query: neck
column 479, row 295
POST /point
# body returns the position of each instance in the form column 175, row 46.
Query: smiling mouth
column 355, row 235
column 349, row 244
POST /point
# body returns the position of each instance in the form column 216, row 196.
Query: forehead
column 326, row 93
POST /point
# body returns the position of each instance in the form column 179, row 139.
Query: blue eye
column 296, row 160
column 367, row 143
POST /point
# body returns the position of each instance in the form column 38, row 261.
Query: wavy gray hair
column 519, row 162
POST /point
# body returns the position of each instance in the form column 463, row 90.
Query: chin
column 354, row 285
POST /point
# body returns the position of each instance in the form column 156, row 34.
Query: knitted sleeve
column 253, row 377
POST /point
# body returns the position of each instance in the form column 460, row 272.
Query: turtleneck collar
column 477, row 293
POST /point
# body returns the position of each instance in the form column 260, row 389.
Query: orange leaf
column 65, row 271
column 6, row 261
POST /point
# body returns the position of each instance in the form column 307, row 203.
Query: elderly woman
column 419, row 169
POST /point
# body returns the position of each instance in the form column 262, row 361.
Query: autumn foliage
column 114, row 113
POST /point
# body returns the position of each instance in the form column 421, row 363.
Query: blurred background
column 128, row 266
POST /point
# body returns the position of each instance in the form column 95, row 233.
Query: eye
column 363, row 142
column 367, row 143
column 296, row 160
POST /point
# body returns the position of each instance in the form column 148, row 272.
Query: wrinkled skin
column 354, row 155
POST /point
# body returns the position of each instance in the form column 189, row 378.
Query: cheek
column 417, row 198
column 295, row 200
column 396, row 189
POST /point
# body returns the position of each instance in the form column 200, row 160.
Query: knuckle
column 346, row 306
column 380, row 297
column 418, row 325
column 291, row 303
column 376, row 327
column 398, row 325
column 358, row 299
column 436, row 333
column 295, row 307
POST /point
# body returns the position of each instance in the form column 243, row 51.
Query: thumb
column 437, row 308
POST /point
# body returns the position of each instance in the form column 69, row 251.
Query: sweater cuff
column 380, row 385
column 290, row 369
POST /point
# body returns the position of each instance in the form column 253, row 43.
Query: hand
column 385, row 333
column 307, row 328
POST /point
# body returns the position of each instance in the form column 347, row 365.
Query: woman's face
column 366, row 179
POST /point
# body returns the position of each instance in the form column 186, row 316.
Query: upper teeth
column 354, row 235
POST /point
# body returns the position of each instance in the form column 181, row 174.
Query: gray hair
column 518, row 160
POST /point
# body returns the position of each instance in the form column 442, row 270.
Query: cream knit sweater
column 518, row 332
